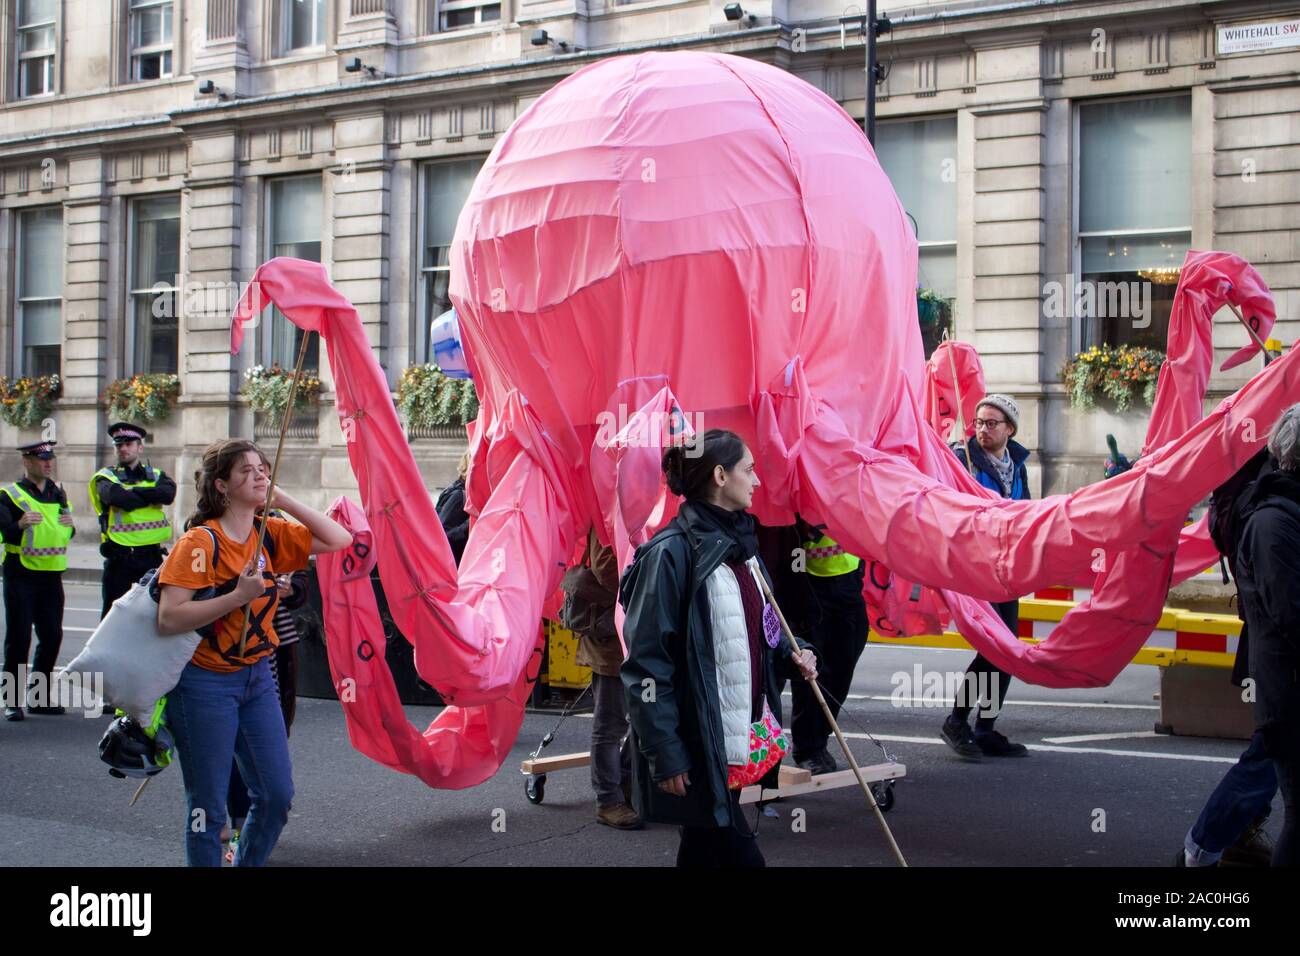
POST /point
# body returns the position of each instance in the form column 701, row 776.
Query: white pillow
column 138, row 665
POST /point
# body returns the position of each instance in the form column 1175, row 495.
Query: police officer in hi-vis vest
column 36, row 523
column 129, row 499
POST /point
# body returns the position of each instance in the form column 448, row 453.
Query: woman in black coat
column 671, row 675
column 451, row 510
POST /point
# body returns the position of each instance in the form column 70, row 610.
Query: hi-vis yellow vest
column 44, row 547
column 826, row 559
column 131, row 529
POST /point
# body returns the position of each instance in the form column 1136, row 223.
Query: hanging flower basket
column 934, row 314
column 427, row 398
column 1120, row 374
column 142, row 398
column 267, row 389
column 26, row 402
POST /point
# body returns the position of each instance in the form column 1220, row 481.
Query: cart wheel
column 535, row 788
column 884, row 794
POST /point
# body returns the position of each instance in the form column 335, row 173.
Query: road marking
column 1008, row 703
column 1153, row 755
column 1086, row 738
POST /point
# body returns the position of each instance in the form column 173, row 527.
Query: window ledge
column 639, row 5
column 144, row 84
column 477, row 30
column 121, row 87
column 302, row 55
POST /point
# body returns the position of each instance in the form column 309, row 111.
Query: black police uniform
column 32, row 598
column 124, row 566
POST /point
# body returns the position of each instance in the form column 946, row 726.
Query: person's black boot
column 1254, row 848
column 956, row 733
column 993, row 744
column 815, row 761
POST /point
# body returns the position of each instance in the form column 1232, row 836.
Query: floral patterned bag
column 768, row 743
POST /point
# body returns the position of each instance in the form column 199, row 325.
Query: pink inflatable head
column 695, row 220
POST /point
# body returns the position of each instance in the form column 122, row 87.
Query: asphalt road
column 58, row 805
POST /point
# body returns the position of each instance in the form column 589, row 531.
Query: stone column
column 86, row 342
column 212, row 213
column 361, row 185
column 368, row 30
column 1008, row 230
column 219, row 46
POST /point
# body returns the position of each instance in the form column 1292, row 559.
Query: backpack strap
column 268, row 542
column 216, row 546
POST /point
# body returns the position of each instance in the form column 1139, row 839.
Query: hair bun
column 673, row 465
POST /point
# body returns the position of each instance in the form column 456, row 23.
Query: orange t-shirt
column 190, row 565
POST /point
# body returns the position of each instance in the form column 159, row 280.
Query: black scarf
column 738, row 527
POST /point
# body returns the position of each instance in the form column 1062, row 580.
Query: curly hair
column 219, row 459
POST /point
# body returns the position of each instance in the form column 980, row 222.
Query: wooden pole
column 275, row 471
column 826, row 711
column 1253, row 334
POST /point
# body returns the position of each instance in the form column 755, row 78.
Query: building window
column 302, row 24
column 1135, row 214
column 458, row 14
column 151, row 38
column 920, row 158
column 446, row 186
column 294, row 230
column 40, row 290
column 36, row 45
column 155, row 243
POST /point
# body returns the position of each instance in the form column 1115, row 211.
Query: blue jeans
column 214, row 718
column 1243, row 796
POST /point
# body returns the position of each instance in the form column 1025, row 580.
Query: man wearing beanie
column 997, row 462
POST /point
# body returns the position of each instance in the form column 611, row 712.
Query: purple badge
column 771, row 626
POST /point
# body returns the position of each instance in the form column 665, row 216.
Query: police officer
column 129, row 500
column 36, row 524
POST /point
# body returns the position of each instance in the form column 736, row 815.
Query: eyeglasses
column 988, row 423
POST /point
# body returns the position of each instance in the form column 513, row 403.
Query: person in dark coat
column 701, row 662
column 1230, row 830
column 997, row 461
column 451, row 510
column 1268, row 572
column 590, row 596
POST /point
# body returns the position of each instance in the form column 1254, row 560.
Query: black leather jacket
column 671, row 677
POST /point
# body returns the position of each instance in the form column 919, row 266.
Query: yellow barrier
column 562, row 668
column 1179, row 637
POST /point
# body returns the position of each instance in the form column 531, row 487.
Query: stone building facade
column 155, row 151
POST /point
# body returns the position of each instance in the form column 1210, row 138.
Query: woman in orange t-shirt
column 225, row 706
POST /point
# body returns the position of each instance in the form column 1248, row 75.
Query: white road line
column 1008, row 703
column 1086, row 738
column 1200, row 758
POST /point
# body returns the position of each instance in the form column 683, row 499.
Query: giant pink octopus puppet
column 709, row 240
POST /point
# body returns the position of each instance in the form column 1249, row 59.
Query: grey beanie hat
column 1005, row 404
